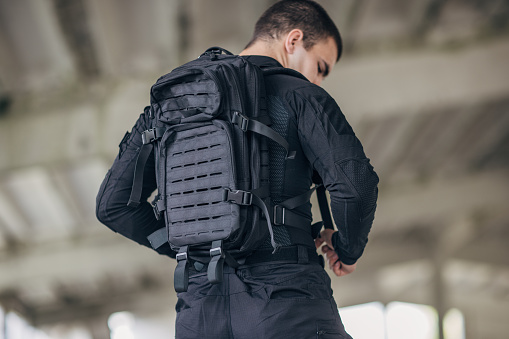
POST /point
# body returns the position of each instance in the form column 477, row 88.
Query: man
column 274, row 295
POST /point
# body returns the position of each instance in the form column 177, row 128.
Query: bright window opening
column 121, row 325
column 400, row 320
column 18, row 328
column 2, row 323
column 364, row 321
column 406, row 320
column 454, row 325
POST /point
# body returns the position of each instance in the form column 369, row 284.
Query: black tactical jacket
column 324, row 142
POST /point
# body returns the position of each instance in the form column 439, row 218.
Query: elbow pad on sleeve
column 365, row 181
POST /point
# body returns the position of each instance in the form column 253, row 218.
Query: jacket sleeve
column 111, row 203
column 337, row 155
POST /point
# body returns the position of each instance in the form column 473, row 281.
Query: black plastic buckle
column 158, row 207
column 148, row 136
column 279, row 215
column 240, row 120
column 239, row 197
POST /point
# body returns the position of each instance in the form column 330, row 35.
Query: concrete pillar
column 439, row 295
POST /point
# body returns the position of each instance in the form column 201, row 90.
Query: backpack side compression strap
column 134, row 199
column 147, row 137
column 247, row 198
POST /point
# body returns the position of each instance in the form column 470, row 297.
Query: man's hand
column 340, row 269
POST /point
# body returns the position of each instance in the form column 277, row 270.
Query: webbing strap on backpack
column 323, row 204
column 181, row 276
column 282, row 213
column 250, row 198
column 147, row 137
column 218, row 257
column 134, row 199
column 214, row 271
column 246, row 124
column 158, row 238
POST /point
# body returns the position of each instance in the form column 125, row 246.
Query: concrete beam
column 441, row 199
column 96, row 119
column 379, row 86
column 36, row 42
column 133, row 37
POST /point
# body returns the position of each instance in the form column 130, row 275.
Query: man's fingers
column 318, row 242
column 326, row 249
column 332, row 259
column 335, row 265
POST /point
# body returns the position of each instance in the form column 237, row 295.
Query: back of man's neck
column 266, row 49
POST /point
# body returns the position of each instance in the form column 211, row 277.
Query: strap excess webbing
column 158, row 238
column 283, row 214
column 247, row 198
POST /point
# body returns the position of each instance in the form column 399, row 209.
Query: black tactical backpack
column 210, row 136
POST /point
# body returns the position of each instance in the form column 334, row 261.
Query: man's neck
column 273, row 50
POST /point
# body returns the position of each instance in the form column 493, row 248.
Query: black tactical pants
column 270, row 300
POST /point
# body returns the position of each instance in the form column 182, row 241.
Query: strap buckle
column 181, row 256
column 158, row 206
column 215, row 269
column 279, row 215
column 240, row 120
column 148, row 136
column 216, row 251
column 181, row 276
column 152, row 135
column 238, row 197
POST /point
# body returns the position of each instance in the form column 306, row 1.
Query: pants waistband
column 291, row 254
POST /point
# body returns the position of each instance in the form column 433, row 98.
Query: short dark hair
column 305, row 15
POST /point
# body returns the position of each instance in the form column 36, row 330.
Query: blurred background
column 424, row 83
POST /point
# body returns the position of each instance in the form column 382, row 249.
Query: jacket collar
column 262, row 61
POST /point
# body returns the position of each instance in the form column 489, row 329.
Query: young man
column 287, row 294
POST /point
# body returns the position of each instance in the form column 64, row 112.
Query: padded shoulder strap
column 217, row 50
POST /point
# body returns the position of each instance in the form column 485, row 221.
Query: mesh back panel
column 279, row 116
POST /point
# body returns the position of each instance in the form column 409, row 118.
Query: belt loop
column 303, row 257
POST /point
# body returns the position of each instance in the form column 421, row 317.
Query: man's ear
column 293, row 39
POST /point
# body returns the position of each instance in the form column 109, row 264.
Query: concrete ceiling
column 423, row 83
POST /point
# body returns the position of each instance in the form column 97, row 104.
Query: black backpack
column 210, row 136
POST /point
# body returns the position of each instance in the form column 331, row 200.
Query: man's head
column 300, row 35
